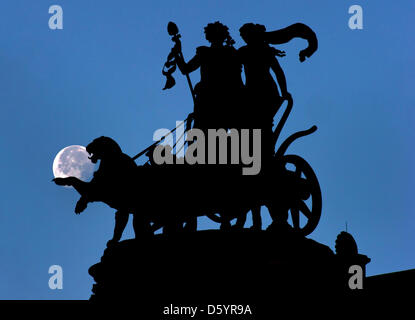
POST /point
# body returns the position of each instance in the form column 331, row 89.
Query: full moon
column 73, row 161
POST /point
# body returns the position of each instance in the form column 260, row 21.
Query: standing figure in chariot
column 220, row 88
column 263, row 99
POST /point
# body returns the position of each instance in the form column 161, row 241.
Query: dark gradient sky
column 101, row 75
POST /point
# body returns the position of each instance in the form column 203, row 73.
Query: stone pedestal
column 209, row 266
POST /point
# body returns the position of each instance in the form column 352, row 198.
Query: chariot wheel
column 303, row 199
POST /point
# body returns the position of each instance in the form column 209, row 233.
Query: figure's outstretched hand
column 80, row 206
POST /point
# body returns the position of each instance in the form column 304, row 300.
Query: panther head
column 102, row 147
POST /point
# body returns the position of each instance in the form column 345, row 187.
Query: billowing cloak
column 296, row 30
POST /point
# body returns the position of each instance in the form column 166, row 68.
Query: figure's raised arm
column 190, row 66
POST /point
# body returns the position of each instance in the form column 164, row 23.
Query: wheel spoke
column 304, row 209
column 295, row 216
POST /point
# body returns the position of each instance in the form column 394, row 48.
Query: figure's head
column 252, row 33
column 216, row 33
column 102, row 147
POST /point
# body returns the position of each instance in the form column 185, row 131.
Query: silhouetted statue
column 221, row 101
column 169, row 193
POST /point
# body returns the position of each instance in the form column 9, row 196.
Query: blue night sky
column 101, row 75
